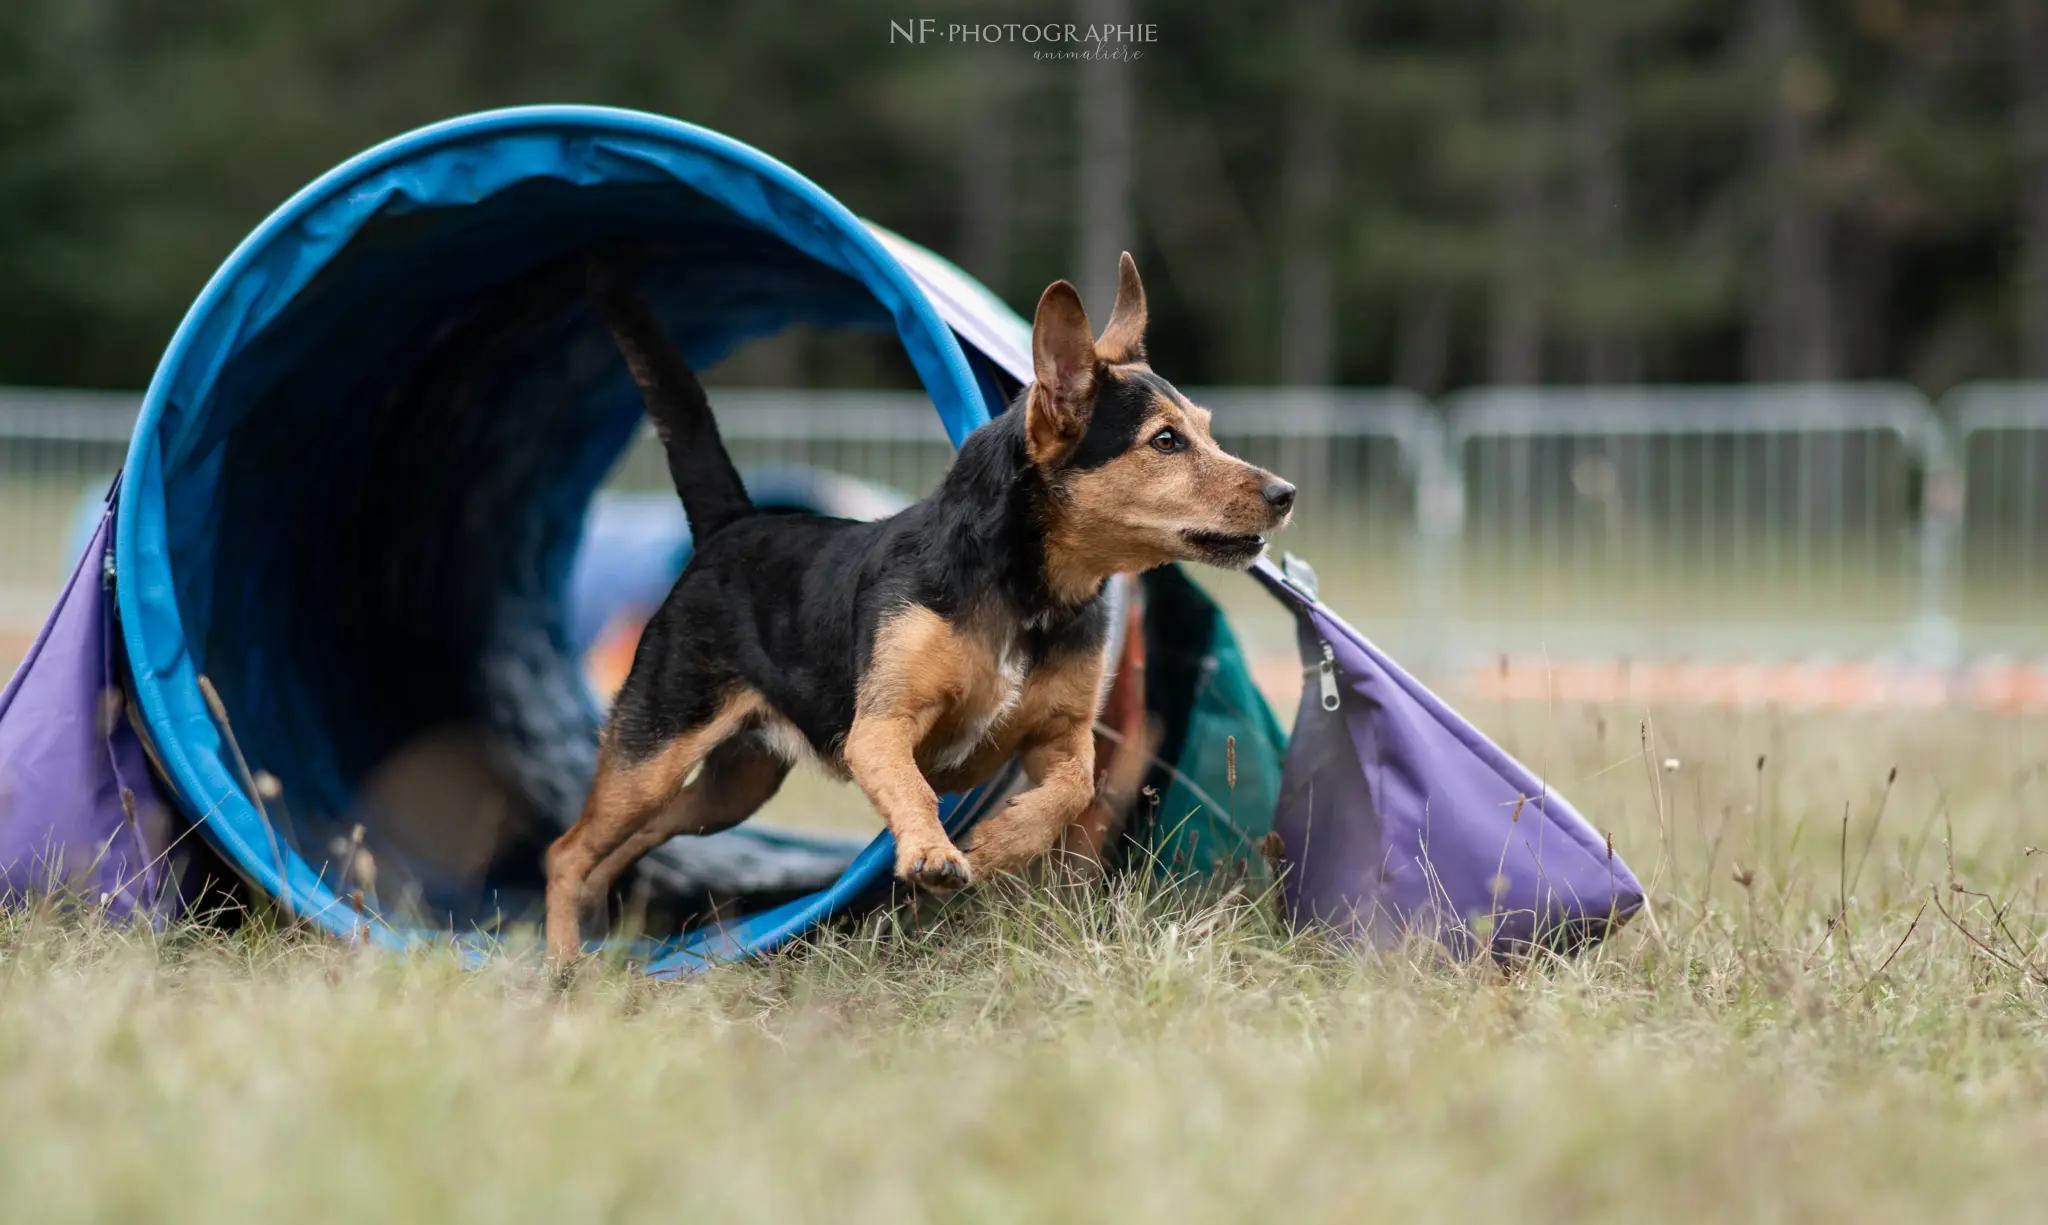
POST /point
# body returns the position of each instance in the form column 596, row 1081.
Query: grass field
column 1084, row 1051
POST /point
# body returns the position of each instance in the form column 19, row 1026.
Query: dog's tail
column 713, row 495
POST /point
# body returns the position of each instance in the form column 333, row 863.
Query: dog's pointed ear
column 1063, row 367
column 1123, row 337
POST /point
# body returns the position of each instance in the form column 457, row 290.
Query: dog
column 918, row 654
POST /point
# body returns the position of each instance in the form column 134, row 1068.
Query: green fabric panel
column 1198, row 680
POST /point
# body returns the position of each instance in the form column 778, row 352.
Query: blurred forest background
column 1426, row 192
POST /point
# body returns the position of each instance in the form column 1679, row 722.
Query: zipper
column 1326, row 672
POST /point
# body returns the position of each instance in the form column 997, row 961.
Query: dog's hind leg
column 738, row 777
column 627, row 795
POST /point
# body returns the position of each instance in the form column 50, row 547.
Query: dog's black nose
column 1278, row 494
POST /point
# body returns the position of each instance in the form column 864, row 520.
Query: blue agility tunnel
column 357, row 482
column 344, row 548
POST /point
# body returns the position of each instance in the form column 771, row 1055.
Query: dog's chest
column 989, row 699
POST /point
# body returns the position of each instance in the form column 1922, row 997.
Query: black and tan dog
column 918, row 654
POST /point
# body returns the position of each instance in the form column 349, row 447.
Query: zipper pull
column 1327, row 673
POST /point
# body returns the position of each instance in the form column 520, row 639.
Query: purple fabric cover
column 67, row 752
column 1398, row 816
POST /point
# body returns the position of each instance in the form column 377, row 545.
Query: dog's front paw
column 933, row 863
column 1026, row 828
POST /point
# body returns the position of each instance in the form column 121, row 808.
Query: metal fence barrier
column 2001, row 432
column 59, row 450
column 1704, row 520
column 1735, row 522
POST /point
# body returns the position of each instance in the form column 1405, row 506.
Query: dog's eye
column 1166, row 442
